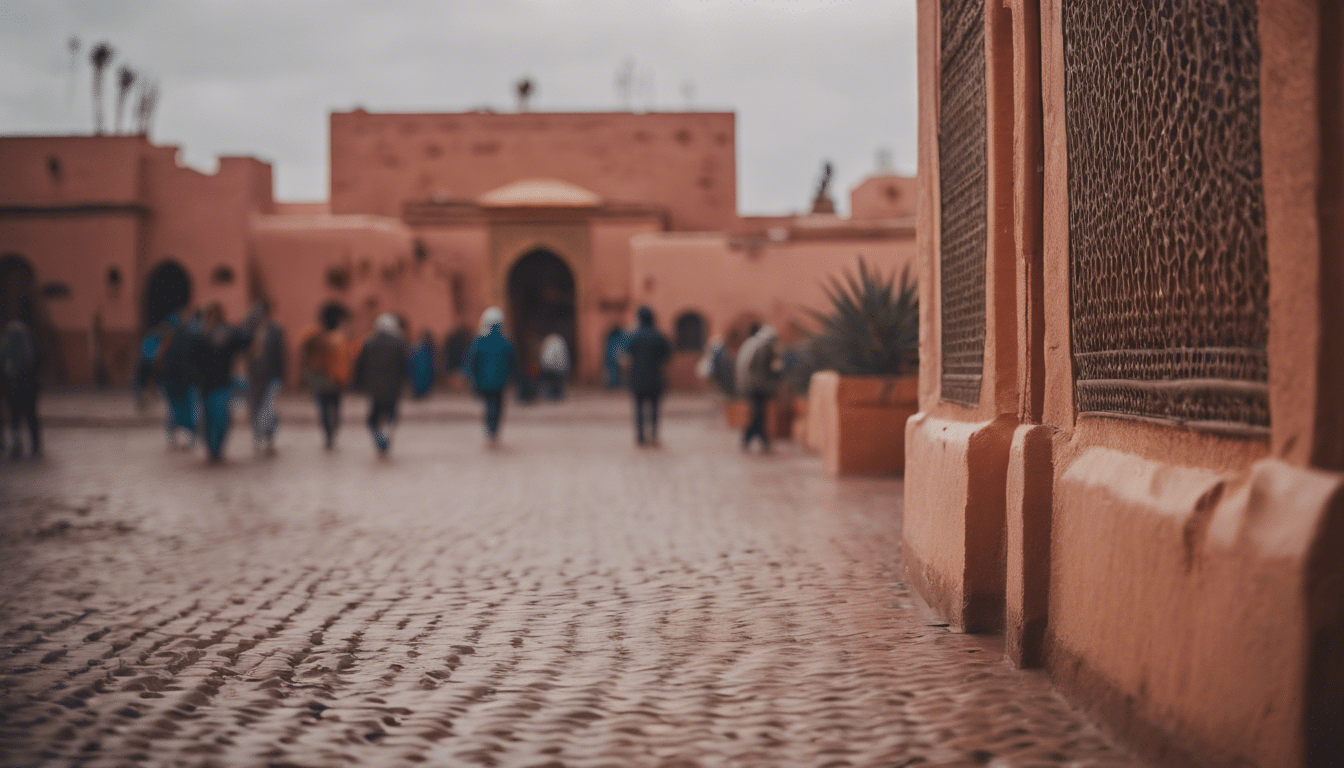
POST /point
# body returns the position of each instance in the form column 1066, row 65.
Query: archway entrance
column 167, row 291
column 541, row 302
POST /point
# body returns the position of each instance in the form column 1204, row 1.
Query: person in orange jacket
column 325, row 366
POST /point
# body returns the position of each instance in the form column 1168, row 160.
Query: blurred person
column 173, row 367
column 422, row 366
column 554, row 366
column 265, row 378
column 611, row 359
column 488, row 364
column 326, row 367
column 144, row 364
column 380, row 372
column 648, row 351
column 216, row 350
column 19, row 363
column 757, row 377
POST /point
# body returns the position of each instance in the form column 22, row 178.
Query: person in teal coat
column 489, row 364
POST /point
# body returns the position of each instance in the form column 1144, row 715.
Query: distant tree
column 125, row 81
column 72, row 45
column 100, row 57
column 144, row 110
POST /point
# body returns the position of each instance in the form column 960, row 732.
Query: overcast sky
column 809, row 79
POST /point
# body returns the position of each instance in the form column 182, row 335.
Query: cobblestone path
column 566, row 600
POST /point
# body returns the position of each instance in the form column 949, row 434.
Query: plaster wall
column 295, row 254
column 684, row 162
column 90, row 169
column 715, row 275
column 459, row 257
column 883, row 197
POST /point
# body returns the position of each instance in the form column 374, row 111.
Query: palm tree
column 144, row 110
column 100, row 57
column 125, row 80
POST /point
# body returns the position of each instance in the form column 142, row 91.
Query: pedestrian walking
column 144, row 364
column 489, row 364
column 380, row 372
column 611, row 358
column 326, row 367
column 648, row 351
column 757, row 376
column 265, row 378
column 173, row 367
column 554, row 366
column 18, row 359
column 217, row 348
column 422, row 366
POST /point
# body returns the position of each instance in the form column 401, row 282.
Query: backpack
column 316, row 364
column 18, row 359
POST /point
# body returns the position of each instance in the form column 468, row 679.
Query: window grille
column 1169, row 278
column 962, row 190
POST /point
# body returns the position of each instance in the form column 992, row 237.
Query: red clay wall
column 682, row 161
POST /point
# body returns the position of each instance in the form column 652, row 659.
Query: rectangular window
column 1168, row 273
column 963, row 186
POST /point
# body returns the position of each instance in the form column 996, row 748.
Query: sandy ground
column 565, row 600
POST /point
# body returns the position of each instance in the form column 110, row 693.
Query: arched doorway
column 541, row 302
column 167, row 291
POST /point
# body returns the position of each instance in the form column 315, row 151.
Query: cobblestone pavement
column 565, row 600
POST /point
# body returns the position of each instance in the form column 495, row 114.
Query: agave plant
column 872, row 328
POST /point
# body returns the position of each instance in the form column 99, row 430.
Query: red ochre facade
column 1185, row 586
column 429, row 214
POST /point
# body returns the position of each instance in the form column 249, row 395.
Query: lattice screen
column 962, row 182
column 1170, row 284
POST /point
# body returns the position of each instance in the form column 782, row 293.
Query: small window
column 54, row 167
column 338, row 278
column 113, row 278
column 690, row 332
column 223, row 275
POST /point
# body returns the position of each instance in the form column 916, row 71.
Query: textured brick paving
column 567, row 600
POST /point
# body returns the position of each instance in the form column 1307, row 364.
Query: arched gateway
column 167, row 291
column 542, row 301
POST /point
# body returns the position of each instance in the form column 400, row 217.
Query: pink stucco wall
column 682, row 161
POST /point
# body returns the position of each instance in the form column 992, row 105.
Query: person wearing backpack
column 18, row 358
column 325, row 367
column 489, row 364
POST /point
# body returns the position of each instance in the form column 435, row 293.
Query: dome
column 539, row 193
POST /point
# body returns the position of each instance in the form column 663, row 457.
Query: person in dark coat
column 217, row 349
column 489, row 364
column 648, row 351
column 19, row 365
column 381, row 372
column 265, row 378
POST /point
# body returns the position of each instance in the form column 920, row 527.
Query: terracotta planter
column 778, row 416
column 857, row 423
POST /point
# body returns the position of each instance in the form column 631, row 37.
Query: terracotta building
column 1130, row 452
column 567, row 220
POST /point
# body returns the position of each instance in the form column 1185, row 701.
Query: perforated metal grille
column 962, row 182
column 1170, row 283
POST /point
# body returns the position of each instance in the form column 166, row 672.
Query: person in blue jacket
column 489, row 363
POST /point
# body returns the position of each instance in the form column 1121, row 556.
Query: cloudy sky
column 809, row 79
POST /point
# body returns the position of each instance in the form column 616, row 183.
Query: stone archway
column 542, row 299
column 168, row 290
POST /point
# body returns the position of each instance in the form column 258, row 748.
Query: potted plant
column 867, row 361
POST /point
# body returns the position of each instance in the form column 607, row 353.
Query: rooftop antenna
column 625, row 83
column 524, row 88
